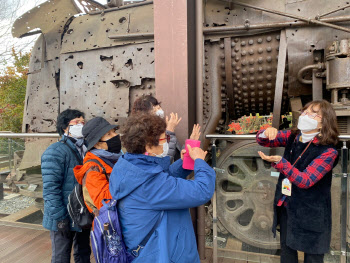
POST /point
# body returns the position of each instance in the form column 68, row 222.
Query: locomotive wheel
column 245, row 194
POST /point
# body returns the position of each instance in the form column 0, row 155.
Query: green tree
column 13, row 81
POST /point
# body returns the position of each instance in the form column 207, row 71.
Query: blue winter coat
column 147, row 185
column 57, row 164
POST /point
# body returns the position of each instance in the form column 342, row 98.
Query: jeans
column 289, row 255
column 62, row 246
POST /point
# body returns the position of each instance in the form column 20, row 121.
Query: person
column 151, row 193
column 57, row 164
column 103, row 145
column 302, row 205
column 149, row 104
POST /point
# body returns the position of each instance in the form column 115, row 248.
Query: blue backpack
column 109, row 248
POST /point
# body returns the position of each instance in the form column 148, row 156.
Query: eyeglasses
column 167, row 138
column 71, row 123
column 311, row 115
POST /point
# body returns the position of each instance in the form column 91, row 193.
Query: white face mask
column 160, row 113
column 306, row 124
column 165, row 150
column 75, row 131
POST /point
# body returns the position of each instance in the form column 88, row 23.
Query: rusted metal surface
column 199, row 62
column 305, row 19
column 92, row 32
column 228, row 73
column 281, row 66
column 108, row 77
column 250, row 27
column 120, row 8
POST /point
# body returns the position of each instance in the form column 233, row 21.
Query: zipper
column 82, row 207
column 99, row 223
column 70, row 212
column 96, row 248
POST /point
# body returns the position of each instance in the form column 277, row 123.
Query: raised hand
column 196, row 153
column 272, row 158
column 271, row 133
column 172, row 122
column 195, row 132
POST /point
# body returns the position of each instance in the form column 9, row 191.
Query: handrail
column 250, row 137
column 29, row 135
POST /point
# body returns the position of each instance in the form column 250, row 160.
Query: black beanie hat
column 94, row 129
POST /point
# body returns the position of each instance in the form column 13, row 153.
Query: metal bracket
column 218, row 170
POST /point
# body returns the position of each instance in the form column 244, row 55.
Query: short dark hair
column 65, row 117
column 144, row 104
column 140, row 130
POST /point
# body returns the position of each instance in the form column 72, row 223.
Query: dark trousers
column 289, row 255
column 62, row 246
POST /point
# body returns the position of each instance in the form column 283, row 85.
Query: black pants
column 62, row 247
column 289, row 255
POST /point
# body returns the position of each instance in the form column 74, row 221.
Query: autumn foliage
column 13, row 81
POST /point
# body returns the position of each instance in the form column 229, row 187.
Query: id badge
column 286, row 187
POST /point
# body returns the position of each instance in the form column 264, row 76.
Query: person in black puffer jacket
column 302, row 205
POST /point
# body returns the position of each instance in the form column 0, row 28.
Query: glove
column 63, row 227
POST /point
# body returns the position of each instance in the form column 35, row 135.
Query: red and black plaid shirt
column 315, row 170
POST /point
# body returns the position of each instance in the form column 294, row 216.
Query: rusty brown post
column 171, row 60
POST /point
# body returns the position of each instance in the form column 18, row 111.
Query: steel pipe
column 308, row 20
column 120, row 8
column 29, row 135
column 333, row 11
column 212, row 30
column 308, row 67
column 132, row 35
column 250, row 137
column 199, row 62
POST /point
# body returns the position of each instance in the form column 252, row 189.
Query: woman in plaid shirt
column 302, row 205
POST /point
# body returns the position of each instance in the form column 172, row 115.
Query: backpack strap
column 79, row 159
column 100, row 165
column 143, row 243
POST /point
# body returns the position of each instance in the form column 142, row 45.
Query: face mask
column 75, row 131
column 306, row 124
column 114, row 144
column 165, row 150
column 160, row 113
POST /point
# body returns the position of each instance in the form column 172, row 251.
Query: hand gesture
column 196, row 153
column 271, row 133
column 195, row 132
column 272, row 158
column 172, row 122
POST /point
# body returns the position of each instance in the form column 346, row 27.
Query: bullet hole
column 70, row 57
column 122, row 20
column 104, row 102
column 70, row 31
column 116, row 120
column 152, row 48
column 152, row 62
column 129, row 64
column 84, row 40
column 139, row 49
column 80, row 64
column 107, row 30
column 106, row 58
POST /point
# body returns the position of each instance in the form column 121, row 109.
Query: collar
column 304, row 138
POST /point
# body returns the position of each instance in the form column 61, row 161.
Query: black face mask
column 114, row 144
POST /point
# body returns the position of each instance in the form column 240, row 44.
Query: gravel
column 15, row 204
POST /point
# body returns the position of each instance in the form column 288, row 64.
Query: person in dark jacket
column 149, row 104
column 153, row 193
column 302, row 205
column 57, row 164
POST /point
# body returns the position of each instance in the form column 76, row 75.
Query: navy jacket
column 309, row 211
column 147, row 185
column 57, row 164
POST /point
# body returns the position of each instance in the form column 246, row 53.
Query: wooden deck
column 25, row 243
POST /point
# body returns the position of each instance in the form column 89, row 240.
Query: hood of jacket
column 132, row 170
column 80, row 170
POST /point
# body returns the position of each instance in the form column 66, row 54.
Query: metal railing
column 343, row 193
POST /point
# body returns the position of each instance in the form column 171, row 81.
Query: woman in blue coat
column 153, row 193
